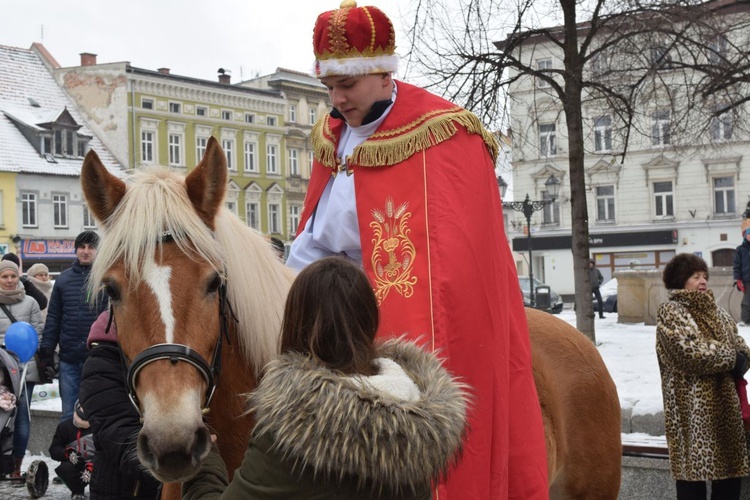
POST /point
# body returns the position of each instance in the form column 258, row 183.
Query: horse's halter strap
column 181, row 352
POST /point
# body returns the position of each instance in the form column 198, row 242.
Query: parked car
column 609, row 296
column 556, row 303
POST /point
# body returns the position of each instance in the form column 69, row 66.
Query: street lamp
column 528, row 207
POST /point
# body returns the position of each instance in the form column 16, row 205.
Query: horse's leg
column 580, row 408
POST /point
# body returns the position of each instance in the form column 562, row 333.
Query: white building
column 670, row 195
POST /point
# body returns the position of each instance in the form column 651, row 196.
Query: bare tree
column 626, row 56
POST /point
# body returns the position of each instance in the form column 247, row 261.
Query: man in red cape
column 403, row 182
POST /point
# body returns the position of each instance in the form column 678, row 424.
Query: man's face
column 86, row 254
column 354, row 96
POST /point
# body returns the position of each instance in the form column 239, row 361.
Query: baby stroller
column 37, row 476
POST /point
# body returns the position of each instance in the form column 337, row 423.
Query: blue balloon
column 21, row 338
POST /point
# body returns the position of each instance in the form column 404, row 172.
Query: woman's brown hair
column 331, row 314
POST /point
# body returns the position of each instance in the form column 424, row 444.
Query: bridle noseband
column 180, row 352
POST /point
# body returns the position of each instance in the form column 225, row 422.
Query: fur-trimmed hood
column 339, row 426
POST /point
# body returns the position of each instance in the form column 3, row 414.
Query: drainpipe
column 132, row 120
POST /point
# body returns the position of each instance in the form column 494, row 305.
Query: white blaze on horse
column 180, row 269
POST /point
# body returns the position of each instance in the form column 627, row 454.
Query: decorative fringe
column 382, row 149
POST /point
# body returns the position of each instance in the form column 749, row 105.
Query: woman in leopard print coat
column 700, row 355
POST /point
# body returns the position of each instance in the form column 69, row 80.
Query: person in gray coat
column 596, row 278
column 15, row 305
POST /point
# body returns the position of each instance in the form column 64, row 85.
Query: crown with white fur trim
column 354, row 41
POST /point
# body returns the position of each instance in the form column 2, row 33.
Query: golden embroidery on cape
column 393, row 252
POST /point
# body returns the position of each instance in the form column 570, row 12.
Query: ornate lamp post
column 528, row 207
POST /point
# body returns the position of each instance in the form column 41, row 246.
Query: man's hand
column 46, row 364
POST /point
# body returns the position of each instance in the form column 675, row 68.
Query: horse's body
column 169, row 245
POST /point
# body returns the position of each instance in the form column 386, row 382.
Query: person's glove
column 46, row 364
column 740, row 285
column 740, row 366
column 71, row 455
column 88, row 469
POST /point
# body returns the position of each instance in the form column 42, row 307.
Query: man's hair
column 331, row 315
column 681, row 268
column 85, row 237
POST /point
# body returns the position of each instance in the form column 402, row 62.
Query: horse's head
column 162, row 262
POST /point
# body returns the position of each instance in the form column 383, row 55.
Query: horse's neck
column 226, row 418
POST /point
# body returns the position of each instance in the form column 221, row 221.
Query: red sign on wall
column 48, row 249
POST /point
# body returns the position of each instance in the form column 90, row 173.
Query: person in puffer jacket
column 70, row 313
column 114, row 420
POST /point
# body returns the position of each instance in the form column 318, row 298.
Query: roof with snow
column 30, row 102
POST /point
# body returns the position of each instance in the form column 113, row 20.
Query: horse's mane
column 155, row 204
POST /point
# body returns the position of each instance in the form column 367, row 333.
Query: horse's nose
column 174, row 462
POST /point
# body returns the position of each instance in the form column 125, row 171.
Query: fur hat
column 89, row 237
column 354, row 40
column 36, row 269
column 8, row 264
column 680, row 268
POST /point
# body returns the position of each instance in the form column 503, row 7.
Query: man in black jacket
column 70, row 315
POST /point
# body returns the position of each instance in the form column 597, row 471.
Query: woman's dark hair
column 681, row 268
column 331, row 314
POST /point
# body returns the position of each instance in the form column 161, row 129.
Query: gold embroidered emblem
column 393, row 252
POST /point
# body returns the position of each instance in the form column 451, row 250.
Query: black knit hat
column 681, row 268
column 13, row 258
column 89, row 237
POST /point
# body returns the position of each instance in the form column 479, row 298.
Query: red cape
column 434, row 247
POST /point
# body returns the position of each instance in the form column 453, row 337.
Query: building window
column 147, row 146
column 83, row 146
column 663, row 199
column 543, row 65
column 175, row 150
column 226, row 114
column 547, row 143
column 660, row 58
column 28, row 209
column 310, row 158
column 250, row 164
column 722, row 125
column 147, row 103
column 551, row 212
column 293, row 162
column 60, row 210
column 605, row 203
column 201, row 111
column 228, row 145
column 724, row 195
column 660, row 128
column 252, row 214
column 274, row 225
column 271, row 120
column 600, row 64
column 46, row 144
column 603, row 134
column 231, row 206
column 175, row 107
column 313, row 116
column 271, row 158
column 249, row 118
column 294, row 216
column 88, row 220
column 293, row 113
column 200, row 147
column 717, row 49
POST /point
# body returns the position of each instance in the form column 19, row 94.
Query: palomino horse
column 179, row 269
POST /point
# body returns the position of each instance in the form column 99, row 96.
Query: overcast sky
column 192, row 38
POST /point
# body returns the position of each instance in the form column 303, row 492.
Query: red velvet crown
column 354, row 40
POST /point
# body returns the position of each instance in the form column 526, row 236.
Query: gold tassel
column 382, row 149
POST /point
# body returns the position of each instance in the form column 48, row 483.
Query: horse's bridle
column 181, row 352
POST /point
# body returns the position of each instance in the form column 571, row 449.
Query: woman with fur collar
column 338, row 416
column 702, row 360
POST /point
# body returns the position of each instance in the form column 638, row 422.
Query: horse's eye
column 214, row 285
column 112, row 291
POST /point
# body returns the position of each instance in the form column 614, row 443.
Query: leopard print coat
column 696, row 344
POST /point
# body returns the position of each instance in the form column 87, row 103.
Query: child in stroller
column 12, row 381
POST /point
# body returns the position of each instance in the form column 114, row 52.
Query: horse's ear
column 102, row 190
column 207, row 183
